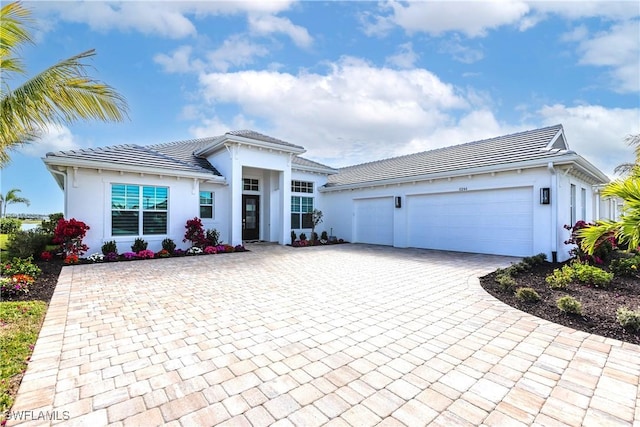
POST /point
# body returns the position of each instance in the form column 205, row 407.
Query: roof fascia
column 88, row 164
column 325, row 171
column 219, row 144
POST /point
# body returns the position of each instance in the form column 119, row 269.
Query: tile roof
column 303, row 162
column 260, row 137
column 518, row 147
column 160, row 157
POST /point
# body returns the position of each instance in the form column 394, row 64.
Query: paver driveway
column 345, row 335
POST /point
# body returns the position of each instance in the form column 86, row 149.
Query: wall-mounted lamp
column 545, row 196
column 398, row 202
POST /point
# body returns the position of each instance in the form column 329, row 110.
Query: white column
column 284, row 234
column 236, row 198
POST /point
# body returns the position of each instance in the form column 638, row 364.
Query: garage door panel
column 374, row 220
column 495, row 221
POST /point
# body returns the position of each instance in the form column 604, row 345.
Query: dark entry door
column 250, row 217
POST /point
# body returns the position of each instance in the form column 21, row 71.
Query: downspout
column 64, row 185
column 554, row 212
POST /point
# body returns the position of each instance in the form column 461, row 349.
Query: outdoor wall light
column 398, row 202
column 545, row 196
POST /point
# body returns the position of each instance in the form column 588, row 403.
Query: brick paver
column 340, row 335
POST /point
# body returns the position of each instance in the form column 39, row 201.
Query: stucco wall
column 547, row 237
column 89, row 200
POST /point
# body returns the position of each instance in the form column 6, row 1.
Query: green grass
column 20, row 324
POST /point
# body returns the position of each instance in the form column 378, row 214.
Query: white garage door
column 374, row 221
column 493, row 222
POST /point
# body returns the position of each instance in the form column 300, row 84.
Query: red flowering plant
column 601, row 254
column 195, row 233
column 69, row 234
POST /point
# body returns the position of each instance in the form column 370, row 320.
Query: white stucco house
column 509, row 195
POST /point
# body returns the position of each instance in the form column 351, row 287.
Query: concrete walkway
column 343, row 335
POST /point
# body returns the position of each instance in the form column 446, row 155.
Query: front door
column 250, row 217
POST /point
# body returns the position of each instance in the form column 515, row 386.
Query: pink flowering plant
column 145, row 254
column 601, row 254
column 210, row 250
column 69, row 234
column 15, row 285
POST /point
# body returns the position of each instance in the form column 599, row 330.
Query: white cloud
column 404, row 58
column 355, row 112
column 473, row 19
column 171, row 19
column 269, row 24
column 576, row 9
column 179, row 61
column 619, row 49
column 235, row 51
column 460, row 52
column 53, row 138
column 595, row 132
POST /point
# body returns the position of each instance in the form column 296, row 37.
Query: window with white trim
column 137, row 208
column 301, row 187
column 206, row 204
column 583, row 204
column 301, row 208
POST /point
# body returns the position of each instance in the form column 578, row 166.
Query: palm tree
column 11, row 198
column 61, row 94
column 627, row 229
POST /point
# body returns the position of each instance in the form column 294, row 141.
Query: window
column 301, row 208
column 301, row 187
column 134, row 208
column 573, row 204
column 206, row 204
column 583, row 204
column 250, row 184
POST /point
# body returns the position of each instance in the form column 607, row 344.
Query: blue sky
column 350, row 81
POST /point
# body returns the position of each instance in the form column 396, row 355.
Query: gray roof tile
column 304, row 162
column 514, row 148
column 260, row 137
column 136, row 155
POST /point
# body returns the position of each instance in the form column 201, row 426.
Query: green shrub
column 591, row 275
column 303, row 236
column 169, row 245
column 109, row 247
column 625, row 266
column 293, row 236
column 49, row 226
column 21, row 266
column 569, row 305
column 527, row 295
column 505, row 282
column 212, row 237
column 139, row 245
column 28, row 243
column 324, row 236
column 9, row 225
column 629, row 319
column 532, row 261
column 560, row 278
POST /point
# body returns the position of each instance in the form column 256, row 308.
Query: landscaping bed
column 599, row 305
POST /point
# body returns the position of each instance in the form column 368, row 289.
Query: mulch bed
column 42, row 289
column 598, row 305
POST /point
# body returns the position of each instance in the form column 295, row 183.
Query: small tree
column 195, row 233
column 316, row 219
column 69, row 235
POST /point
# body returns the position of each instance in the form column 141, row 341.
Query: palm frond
column 63, row 93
